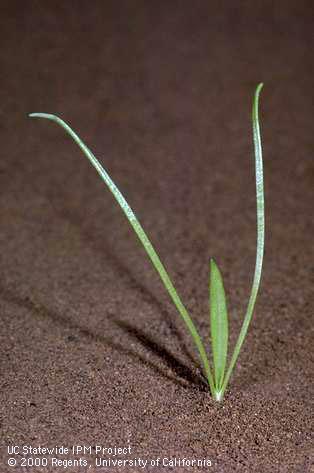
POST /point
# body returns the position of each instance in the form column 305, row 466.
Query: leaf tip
column 259, row 88
column 214, row 267
column 212, row 262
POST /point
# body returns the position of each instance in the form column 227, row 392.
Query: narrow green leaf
column 218, row 324
column 150, row 250
column 260, row 217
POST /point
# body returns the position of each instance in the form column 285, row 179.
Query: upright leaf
column 260, row 214
column 218, row 324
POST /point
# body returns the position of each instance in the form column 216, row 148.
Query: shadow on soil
column 183, row 375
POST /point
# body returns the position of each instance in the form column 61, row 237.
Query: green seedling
column 219, row 378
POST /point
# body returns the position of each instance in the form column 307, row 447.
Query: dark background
column 91, row 349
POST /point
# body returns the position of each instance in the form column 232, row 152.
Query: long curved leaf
column 144, row 240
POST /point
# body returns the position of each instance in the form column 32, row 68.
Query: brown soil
column 92, row 351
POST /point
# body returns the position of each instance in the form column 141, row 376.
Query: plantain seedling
column 219, row 377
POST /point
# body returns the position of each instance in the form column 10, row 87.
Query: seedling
column 219, row 377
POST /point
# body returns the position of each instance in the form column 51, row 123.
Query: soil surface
column 92, row 351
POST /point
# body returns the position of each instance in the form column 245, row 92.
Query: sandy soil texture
column 92, row 352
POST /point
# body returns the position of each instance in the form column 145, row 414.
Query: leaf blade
column 145, row 241
column 260, row 218
column 218, row 324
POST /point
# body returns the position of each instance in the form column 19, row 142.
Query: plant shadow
column 123, row 272
column 182, row 375
column 181, row 370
